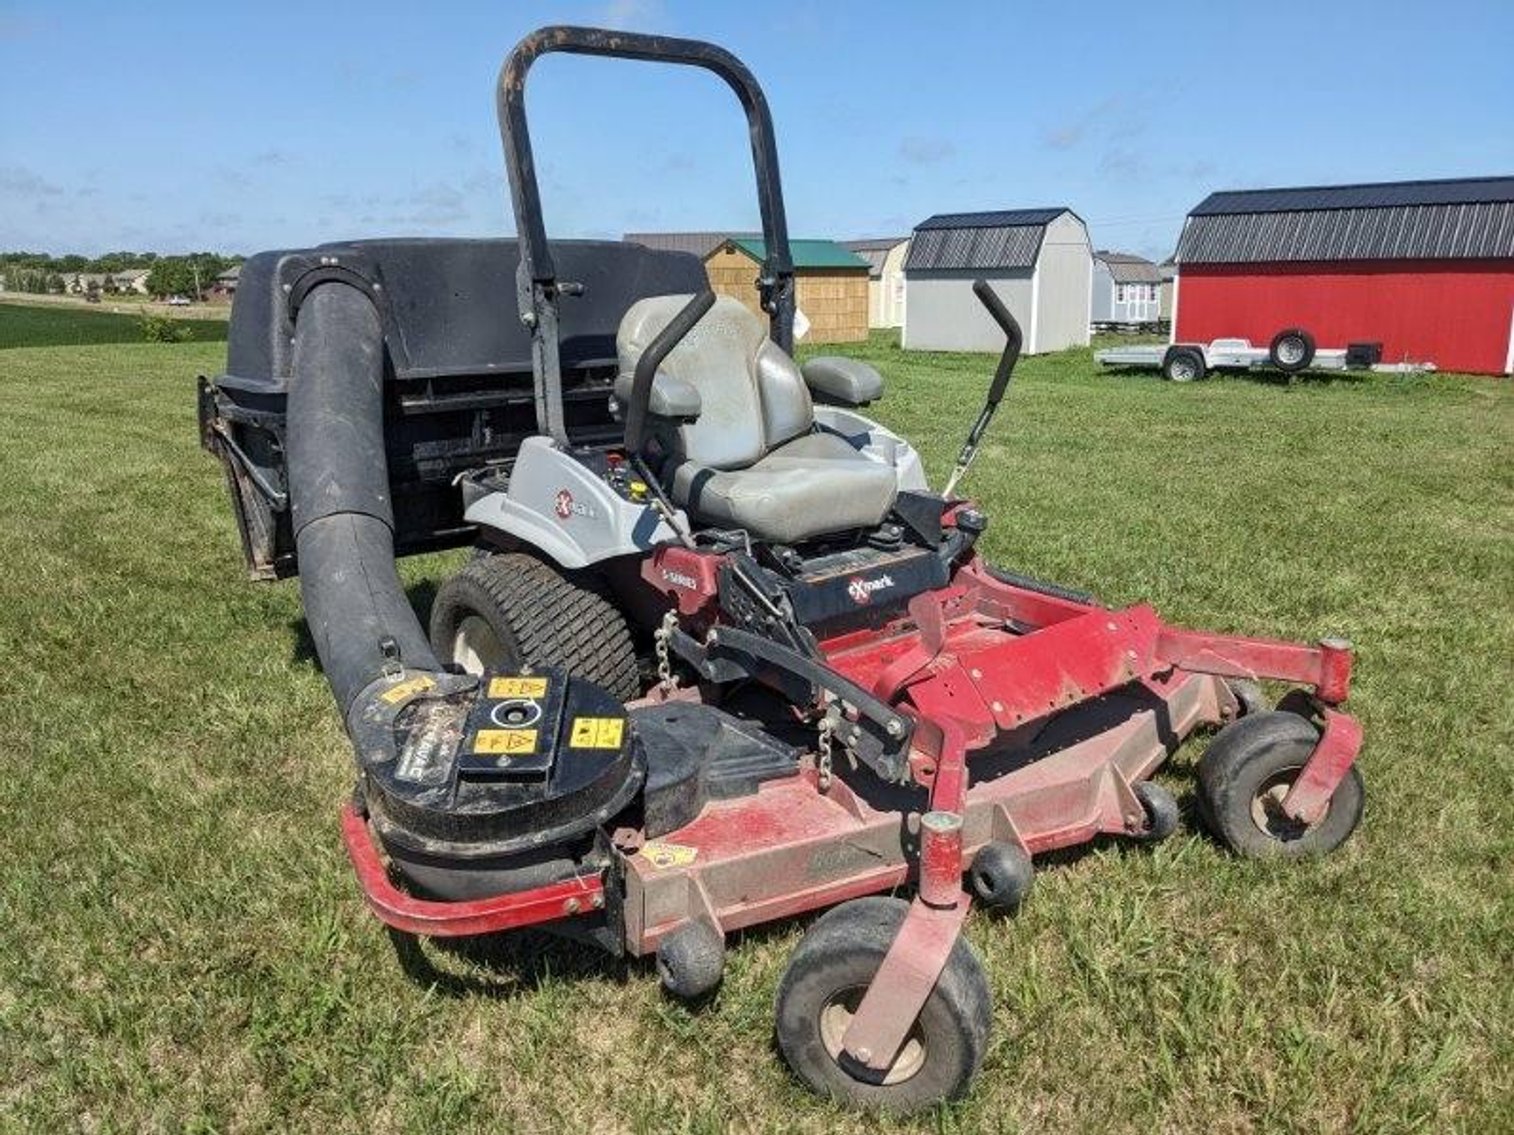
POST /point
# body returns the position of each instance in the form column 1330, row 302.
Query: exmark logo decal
column 678, row 579
column 565, row 506
column 862, row 590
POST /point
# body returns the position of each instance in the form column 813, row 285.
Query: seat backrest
column 752, row 396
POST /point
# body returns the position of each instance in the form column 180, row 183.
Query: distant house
column 885, row 277
column 1126, row 290
column 830, row 284
column 129, row 280
column 1038, row 261
column 224, row 286
column 81, row 283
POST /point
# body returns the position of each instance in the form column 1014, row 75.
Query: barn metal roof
column 701, row 244
column 1374, row 195
column 1413, row 220
column 1127, row 268
column 994, row 219
column 1008, row 238
column 875, row 251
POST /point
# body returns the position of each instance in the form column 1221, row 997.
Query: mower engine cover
column 481, row 786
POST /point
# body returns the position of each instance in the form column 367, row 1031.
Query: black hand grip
column 1014, row 339
column 651, row 358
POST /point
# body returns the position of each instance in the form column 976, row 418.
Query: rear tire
column 831, row 969
column 507, row 611
column 1292, row 350
column 1244, row 776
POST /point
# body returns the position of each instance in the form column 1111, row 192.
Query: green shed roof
column 806, row 253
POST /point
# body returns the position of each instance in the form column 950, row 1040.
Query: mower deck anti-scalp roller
column 722, row 656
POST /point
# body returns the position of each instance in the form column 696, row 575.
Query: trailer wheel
column 503, row 612
column 823, row 985
column 1244, row 776
column 1292, row 350
column 1184, row 364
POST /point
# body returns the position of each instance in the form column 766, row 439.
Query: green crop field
column 58, row 325
column 183, row 947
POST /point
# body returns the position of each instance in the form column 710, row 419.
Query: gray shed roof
column 1127, row 268
column 1412, row 220
column 1007, row 238
column 875, row 251
column 701, row 244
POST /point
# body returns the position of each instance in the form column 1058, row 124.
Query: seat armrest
column 671, row 397
column 840, row 381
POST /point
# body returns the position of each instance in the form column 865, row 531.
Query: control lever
column 1013, row 339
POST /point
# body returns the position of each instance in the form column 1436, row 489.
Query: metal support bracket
column 1309, row 797
column 903, row 982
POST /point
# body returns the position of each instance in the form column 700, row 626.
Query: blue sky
column 236, row 127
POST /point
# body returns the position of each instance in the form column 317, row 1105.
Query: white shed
column 1039, row 262
column 885, row 278
column 1126, row 290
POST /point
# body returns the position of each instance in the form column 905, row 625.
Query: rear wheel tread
column 548, row 617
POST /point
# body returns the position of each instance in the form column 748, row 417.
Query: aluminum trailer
column 1291, row 351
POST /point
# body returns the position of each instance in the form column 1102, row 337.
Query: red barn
column 1426, row 268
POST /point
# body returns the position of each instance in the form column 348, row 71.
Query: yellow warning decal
column 665, row 855
column 517, row 687
column 505, row 742
column 408, row 689
column 597, row 732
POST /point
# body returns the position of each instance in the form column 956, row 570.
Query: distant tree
column 171, row 276
column 53, row 284
column 71, row 263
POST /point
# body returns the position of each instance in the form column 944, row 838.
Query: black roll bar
column 537, row 285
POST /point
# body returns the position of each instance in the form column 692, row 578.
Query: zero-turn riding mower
column 722, row 656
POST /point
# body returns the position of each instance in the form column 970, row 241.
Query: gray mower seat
column 752, row 458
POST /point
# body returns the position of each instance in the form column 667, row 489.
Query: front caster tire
column 1001, row 875
column 1161, row 808
column 1247, row 772
column 506, row 611
column 691, row 960
column 823, row 985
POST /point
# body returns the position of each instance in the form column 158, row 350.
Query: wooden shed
column 830, row 283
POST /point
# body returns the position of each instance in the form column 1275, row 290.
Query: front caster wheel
column 691, row 960
column 1161, row 812
column 1247, row 772
column 1001, row 875
column 827, row 976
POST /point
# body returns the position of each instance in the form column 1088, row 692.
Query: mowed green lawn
column 182, row 944
column 39, row 325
